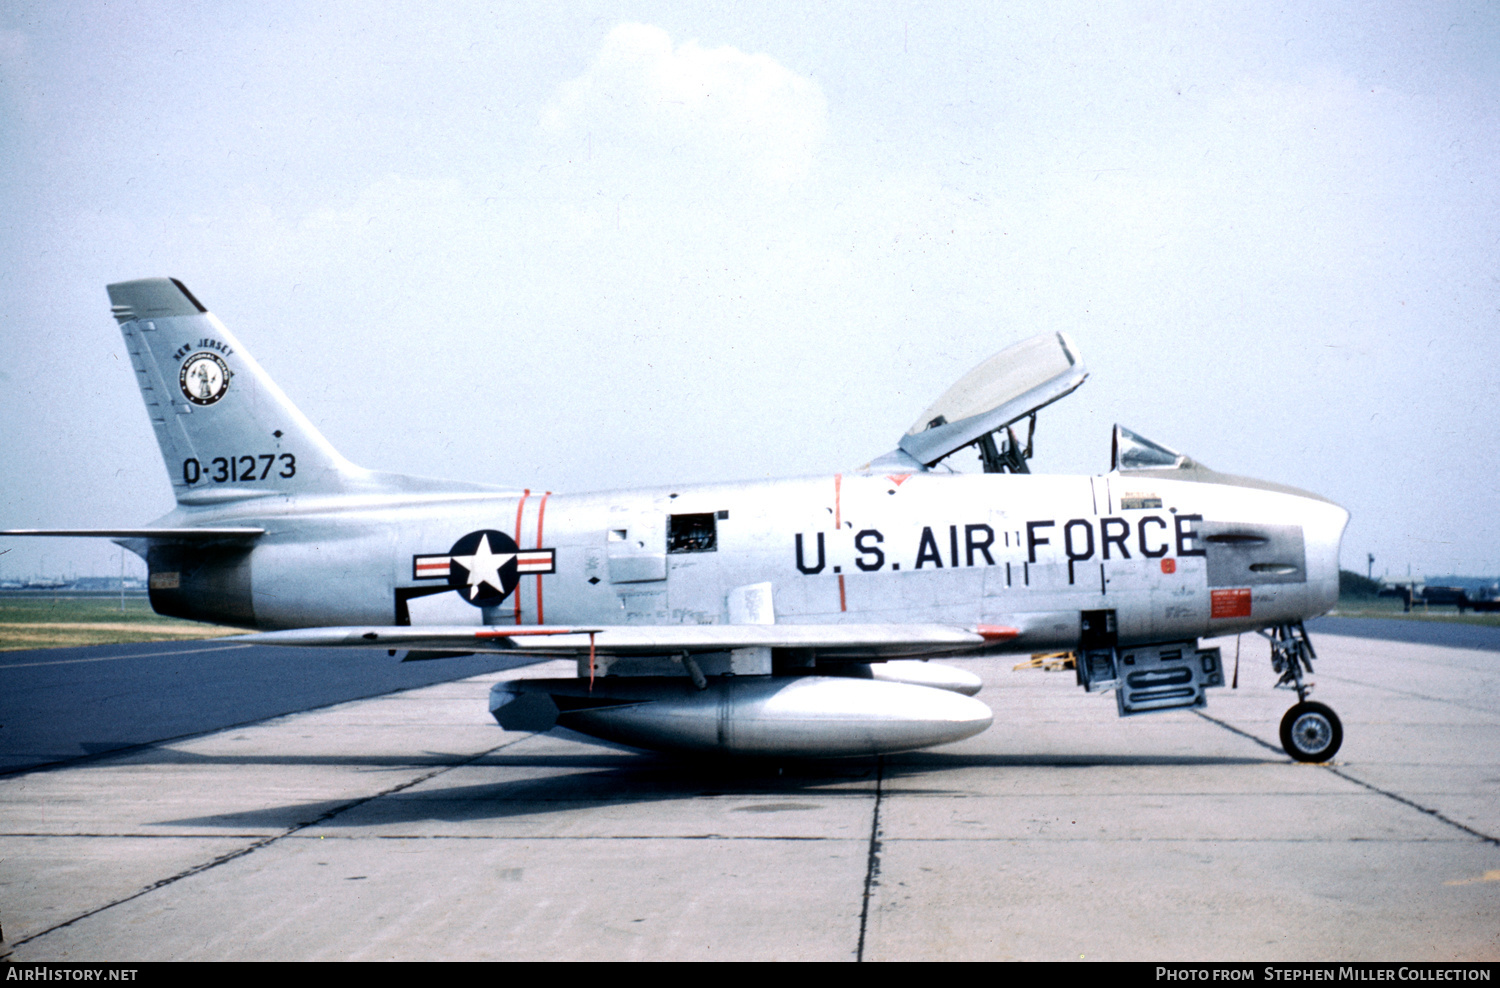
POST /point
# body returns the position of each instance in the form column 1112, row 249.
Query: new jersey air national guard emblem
column 204, row 378
column 484, row 567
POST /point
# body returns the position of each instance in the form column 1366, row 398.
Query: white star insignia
column 484, row 567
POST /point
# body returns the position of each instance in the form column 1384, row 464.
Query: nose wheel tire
column 1311, row 732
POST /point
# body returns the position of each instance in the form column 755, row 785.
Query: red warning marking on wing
column 1229, row 603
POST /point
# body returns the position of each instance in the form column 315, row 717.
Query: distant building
column 1463, row 592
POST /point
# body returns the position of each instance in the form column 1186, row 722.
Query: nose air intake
column 1299, row 549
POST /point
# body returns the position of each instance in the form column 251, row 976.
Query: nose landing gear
column 1310, row 732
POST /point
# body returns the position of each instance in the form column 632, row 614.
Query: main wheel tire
column 1311, row 732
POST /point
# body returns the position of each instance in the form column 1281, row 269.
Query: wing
column 833, row 640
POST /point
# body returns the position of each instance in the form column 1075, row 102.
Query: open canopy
column 1006, row 388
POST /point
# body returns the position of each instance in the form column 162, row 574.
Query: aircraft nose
column 1323, row 524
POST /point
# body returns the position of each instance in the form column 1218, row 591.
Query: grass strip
column 64, row 622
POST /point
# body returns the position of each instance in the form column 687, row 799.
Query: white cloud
column 716, row 106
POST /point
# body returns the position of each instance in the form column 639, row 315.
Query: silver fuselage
column 1172, row 559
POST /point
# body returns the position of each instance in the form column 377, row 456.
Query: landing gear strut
column 1310, row 732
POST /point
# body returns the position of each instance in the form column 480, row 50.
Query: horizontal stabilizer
column 165, row 534
column 852, row 639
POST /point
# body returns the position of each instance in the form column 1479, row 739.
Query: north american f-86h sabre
column 780, row 617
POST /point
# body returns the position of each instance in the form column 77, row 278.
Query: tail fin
column 226, row 430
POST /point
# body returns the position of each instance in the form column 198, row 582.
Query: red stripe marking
column 996, row 633
column 541, row 512
column 838, row 502
column 520, row 506
column 524, row 632
column 842, row 605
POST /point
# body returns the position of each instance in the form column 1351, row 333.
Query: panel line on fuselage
column 520, row 507
column 541, row 512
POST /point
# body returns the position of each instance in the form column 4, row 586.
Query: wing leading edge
column 850, row 639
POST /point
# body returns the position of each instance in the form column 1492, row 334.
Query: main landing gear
column 1310, row 732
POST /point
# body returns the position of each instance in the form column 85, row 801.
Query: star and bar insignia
column 484, row 566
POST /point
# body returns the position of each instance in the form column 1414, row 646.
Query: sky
column 588, row 246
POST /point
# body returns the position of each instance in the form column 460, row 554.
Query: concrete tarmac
column 409, row 826
column 60, row 705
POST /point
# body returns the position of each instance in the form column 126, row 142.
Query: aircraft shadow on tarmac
column 612, row 778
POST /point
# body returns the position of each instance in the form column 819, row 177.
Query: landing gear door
column 1169, row 676
column 1098, row 661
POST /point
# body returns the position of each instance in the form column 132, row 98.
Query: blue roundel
column 482, row 567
